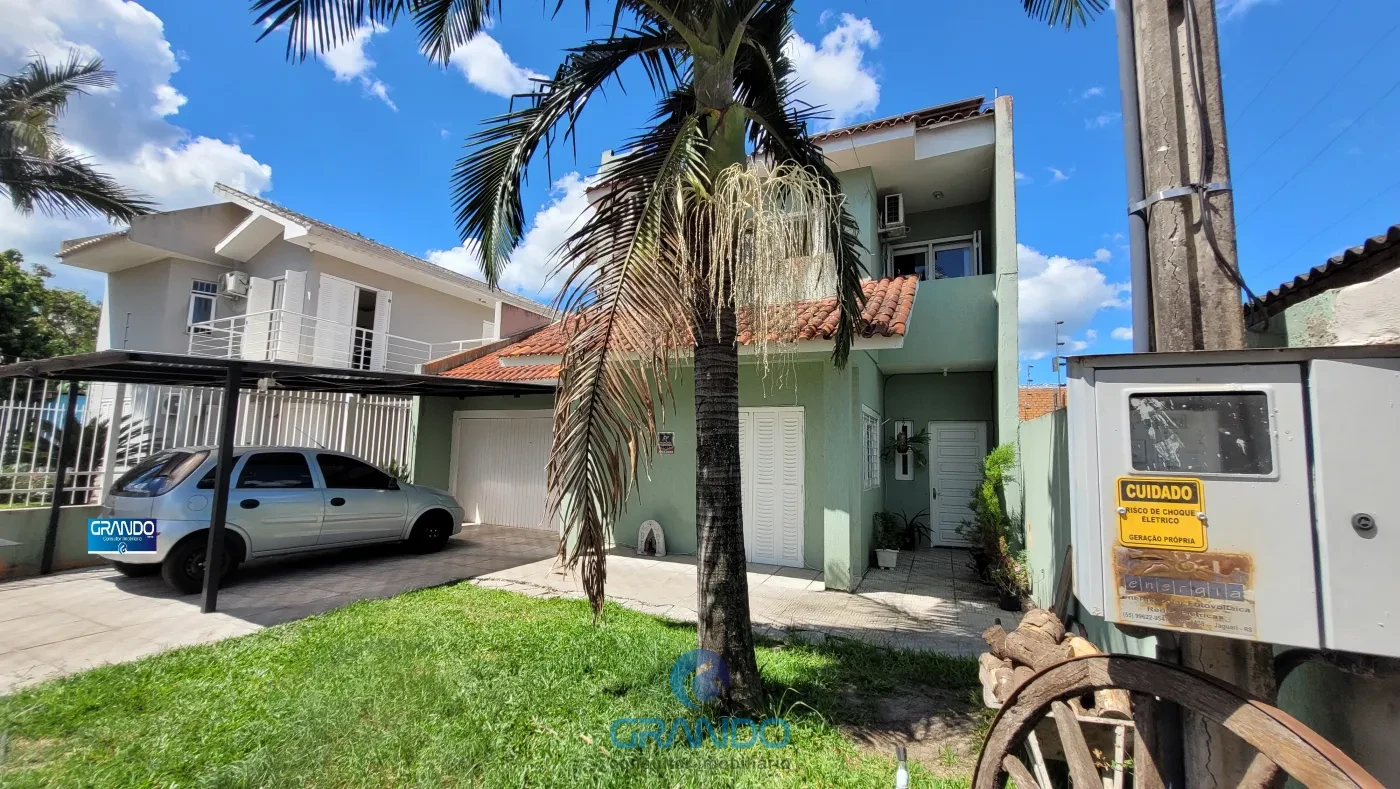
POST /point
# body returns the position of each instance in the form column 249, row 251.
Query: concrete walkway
column 73, row 621
column 930, row 601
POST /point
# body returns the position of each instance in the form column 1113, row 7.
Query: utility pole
column 1183, row 212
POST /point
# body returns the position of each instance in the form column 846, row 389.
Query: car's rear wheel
column 136, row 570
column 431, row 532
column 183, row 568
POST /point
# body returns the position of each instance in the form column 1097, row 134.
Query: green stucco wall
column 1305, row 324
column 960, row 220
column 871, row 395
column 924, row 398
column 858, row 186
column 953, row 325
column 26, row 526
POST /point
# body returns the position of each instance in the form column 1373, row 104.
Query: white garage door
column 770, row 456
column 499, row 460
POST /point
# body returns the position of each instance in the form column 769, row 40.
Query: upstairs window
column 942, row 258
column 202, row 296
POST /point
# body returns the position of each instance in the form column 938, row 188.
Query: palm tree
column 723, row 209
column 36, row 169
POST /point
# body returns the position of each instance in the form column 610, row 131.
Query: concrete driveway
column 76, row 620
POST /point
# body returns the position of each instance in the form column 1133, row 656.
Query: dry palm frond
column 767, row 247
column 630, row 321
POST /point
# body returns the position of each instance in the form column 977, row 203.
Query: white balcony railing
column 285, row 336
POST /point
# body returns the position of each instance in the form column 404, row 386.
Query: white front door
column 498, row 467
column 772, row 470
column 955, row 454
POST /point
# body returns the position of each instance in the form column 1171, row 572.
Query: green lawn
column 454, row 686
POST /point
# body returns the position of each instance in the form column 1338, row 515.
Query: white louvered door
column 257, row 320
column 771, row 459
column 335, row 314
column 498, row 467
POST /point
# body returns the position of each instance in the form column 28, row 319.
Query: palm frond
column 318, row 26
column 764, row 80
column 66, row 185
column 629, row 319
column 486, row 183
column 40, row 85
column 1064, row 12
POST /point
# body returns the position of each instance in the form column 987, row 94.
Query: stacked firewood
column 1039, row 642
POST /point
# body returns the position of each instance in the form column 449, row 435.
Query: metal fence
column 149, row 419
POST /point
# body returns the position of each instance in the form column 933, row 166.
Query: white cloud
column 349, row 62
column 125, row 134
column 1124, row 333
column 1091, row 93
column 534, row 260
column 1102, row 120
column 1235, row 9
column 1102, row 255
column 835, row 75
column 443, row 132
column 1056, row 174
column 1057, row 288
column 168, row 100
column 1020, row 176
column 487, row 66
column 1091, row 335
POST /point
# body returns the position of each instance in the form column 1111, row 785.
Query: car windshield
column 158, row 473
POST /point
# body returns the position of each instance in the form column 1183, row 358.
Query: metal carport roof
column 233, row 375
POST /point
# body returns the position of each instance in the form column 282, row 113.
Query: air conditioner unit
column 892, row 213
column 234, row 284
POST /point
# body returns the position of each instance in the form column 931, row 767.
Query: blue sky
column 365, row 139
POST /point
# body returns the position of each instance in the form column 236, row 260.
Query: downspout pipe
column 1132, row 162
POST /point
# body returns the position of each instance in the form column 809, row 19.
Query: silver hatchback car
column 282, row 500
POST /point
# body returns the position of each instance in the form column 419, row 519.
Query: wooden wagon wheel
column 1281, row 742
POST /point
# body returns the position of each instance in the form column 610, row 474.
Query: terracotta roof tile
column 1037, row 401
column 488, row 368
column 888, row 304
column 929, row 116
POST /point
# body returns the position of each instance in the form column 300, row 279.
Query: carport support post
column 228, row 421
column 65, row 454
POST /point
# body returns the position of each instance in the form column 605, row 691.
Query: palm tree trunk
column 723, row 610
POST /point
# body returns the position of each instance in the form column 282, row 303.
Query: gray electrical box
column 1248, row 494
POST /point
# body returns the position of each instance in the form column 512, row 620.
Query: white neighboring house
column 246, row 278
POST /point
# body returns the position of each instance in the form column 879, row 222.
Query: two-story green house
column 934, row 192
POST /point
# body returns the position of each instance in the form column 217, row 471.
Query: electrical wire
column 1348, row 215
column 1198, row 68
column 1327, row 94
column 1329, row 144
column 1286, row 61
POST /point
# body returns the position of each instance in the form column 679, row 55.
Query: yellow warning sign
column 1162, row 512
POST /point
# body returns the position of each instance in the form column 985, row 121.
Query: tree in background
column 36, row 321
column 37, row 171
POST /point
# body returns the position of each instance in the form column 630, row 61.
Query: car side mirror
column 393, row 484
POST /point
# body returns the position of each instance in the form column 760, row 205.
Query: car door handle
column 935, row 492
column 248, row 504
column 337, row 502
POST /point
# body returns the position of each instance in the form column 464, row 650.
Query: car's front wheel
column 183, row 568
column 136, row 570
column 431, row 532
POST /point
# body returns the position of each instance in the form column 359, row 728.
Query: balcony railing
column 285, row 336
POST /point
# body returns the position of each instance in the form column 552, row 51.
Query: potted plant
column 916, row 445
column 911, row 529
column 888, row 537
column 1009, row 578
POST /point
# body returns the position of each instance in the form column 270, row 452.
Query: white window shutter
column 335, row 313
column 257, row 320
column 293, row 333
column 378, row 353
